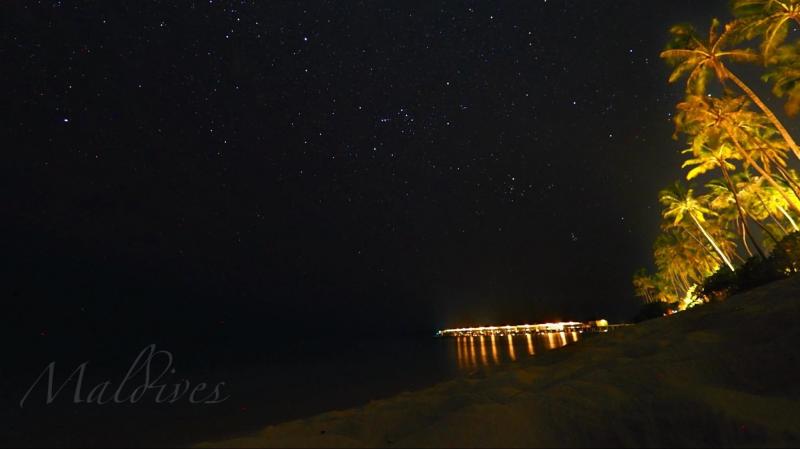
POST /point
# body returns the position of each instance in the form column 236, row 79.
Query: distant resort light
column 567, row 326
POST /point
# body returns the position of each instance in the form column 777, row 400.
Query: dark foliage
column 653, row 310
column 783, row 262
column 786, row 255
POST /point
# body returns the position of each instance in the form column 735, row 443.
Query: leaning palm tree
column 769, row 151
column 754, row 198
column 645, row 286
column 665, row 291
column 777, row 201
column 721, row 200
column 728, row 121
column 680, row 203
column 722, row 197
column 707, row 156
column 784, row 74
column 772, row 20
column 682, row 262
column 671, row 257
column 770, row 154
column 700, row 59
column 769, row 19
column 791, row 179
column 710, row 155
column 767, row 199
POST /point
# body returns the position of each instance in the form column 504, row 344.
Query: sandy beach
column 722, row 374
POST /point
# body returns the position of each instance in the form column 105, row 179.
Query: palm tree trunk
column 767, row 111
column 779, row 224
column 789, row 217
column 712, row 254
column 743, row 232
column 674, row 287
column 681, row 284
column 794, row 187
column 713, row 242
column 763, row 227
column 685, row 281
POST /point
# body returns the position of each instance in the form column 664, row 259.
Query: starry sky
column 190, row 166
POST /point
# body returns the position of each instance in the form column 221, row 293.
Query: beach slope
column 722, row 374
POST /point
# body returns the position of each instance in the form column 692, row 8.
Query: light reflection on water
column 468, row 348
column 483, row 352
column 494, row 351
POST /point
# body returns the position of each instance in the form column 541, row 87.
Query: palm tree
column 754, row 197
column 671, row 257
column 721, row 200
column 664, row 292
column 708, row 156
column 776, row 202
column 767, row 150
column 645, row 286
column 791, row 179
column 772, row 20
column 723, row 197
column 770, row 151
column 682, row 262
column 700, row 59
column 784, row 74
column 769, row 18
column 680, row 203
column 726, row 121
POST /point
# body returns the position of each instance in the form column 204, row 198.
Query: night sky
column 191, row 169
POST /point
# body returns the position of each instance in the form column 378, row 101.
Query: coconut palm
column 753, row 195
column 683, row 262
column 734, row 193
column 721, row 200
column 770, row 19
column 664, row 293
column 680, row 203
column 774, row 201
column 784, row 74
column 645, row 286
column 710, row 155
column 790, row 178
column 769, row 151
column 728, row 121
column 700, row 59
column 764, row 197
column 672, row 257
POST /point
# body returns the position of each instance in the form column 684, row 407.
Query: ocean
column 291, row 378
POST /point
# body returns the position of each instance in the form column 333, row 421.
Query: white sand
column 723, row 374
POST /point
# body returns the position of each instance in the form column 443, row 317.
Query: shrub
column 720, row 285
column 786, row 255
column 653, row 310
column 782, row 262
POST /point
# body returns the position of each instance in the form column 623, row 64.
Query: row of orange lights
column 523, row 328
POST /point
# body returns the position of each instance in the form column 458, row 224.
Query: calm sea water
column 300, row 378
column 483, row 352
